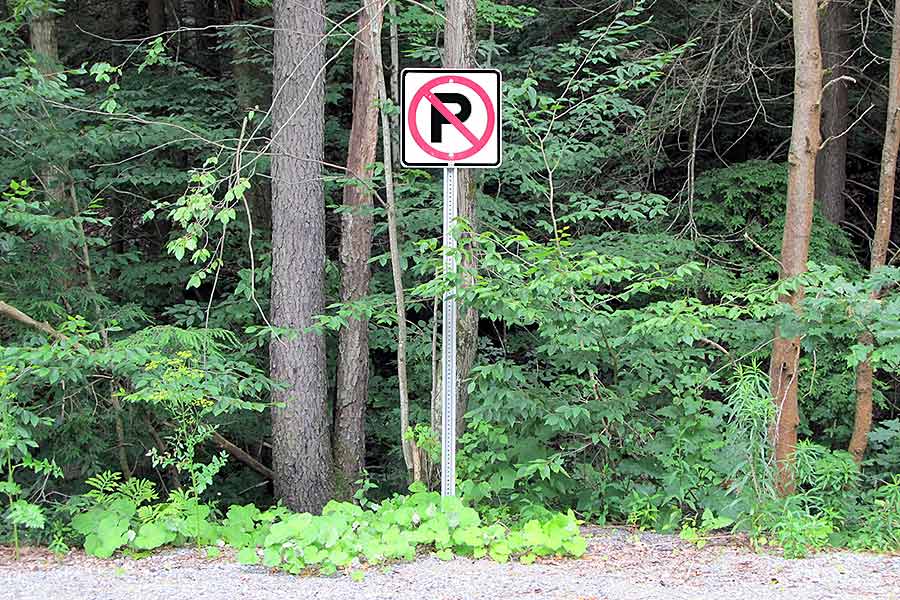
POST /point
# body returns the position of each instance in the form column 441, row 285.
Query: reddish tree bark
column 805, row 140
column 355, row 251
column 862, row 420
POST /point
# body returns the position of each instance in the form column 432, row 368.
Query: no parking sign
column 451, row 117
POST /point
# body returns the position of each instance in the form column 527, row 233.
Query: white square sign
column 450, row 117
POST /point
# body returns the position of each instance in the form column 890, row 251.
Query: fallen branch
column 11, row 312
column 242, row 456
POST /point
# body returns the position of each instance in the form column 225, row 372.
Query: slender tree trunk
column 862, row 418
column 862, row 421
column 355, row 251
column 247, row 80
column 831, row 163
column 395, row 75
column 459, row 52
column 55, row 181
column 302, row 455
column 410, row 451
column 805, row 140
column 42, row 30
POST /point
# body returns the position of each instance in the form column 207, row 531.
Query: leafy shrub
column 879, row 521
column 121, row 514
column 798, row 531
column 17, row 441
column 828, row 508
column 698, row 532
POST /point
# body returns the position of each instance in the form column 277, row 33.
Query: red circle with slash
column 425, row 93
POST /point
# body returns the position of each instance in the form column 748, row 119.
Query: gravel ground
column 619, row 565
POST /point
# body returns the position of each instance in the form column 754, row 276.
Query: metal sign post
column 450, row 118
column 448, row 433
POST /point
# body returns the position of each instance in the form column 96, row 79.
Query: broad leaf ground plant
column 123, row 515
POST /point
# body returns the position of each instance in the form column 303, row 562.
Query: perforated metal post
column 448, row 428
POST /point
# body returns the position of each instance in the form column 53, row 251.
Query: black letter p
column 438, row 120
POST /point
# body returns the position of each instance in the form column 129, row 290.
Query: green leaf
column 153, row 535
column 248, row 556
column 27, row 514
column 445, row 554
column 576, row 546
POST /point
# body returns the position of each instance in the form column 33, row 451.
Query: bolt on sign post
column 450, row 118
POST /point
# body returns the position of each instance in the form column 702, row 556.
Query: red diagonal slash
column 454, row 120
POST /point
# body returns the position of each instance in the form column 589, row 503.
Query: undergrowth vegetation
column 125, row 516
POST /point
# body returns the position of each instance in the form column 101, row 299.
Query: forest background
column 218, row 287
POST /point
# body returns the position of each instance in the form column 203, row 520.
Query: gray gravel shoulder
column 619, row 565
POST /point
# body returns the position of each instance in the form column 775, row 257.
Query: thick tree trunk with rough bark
column 459, row 52
column 831, row 163
column 42, row 29
column 862, row 421
column 301, row 439
column 805, row 140
column 355, row 251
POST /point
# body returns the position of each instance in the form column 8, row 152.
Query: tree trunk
column 156, row 16
column 55, row 181
column 805, row 140
column 355, row 251
column 831, row 163
column 248, row 81
column 395, row 75
column 42, row 30
column 862, row 421
column 459, row 52
column 862, row 418
column 408, row 446
column 252, row 94
column 190, row 39
column 302, row 455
